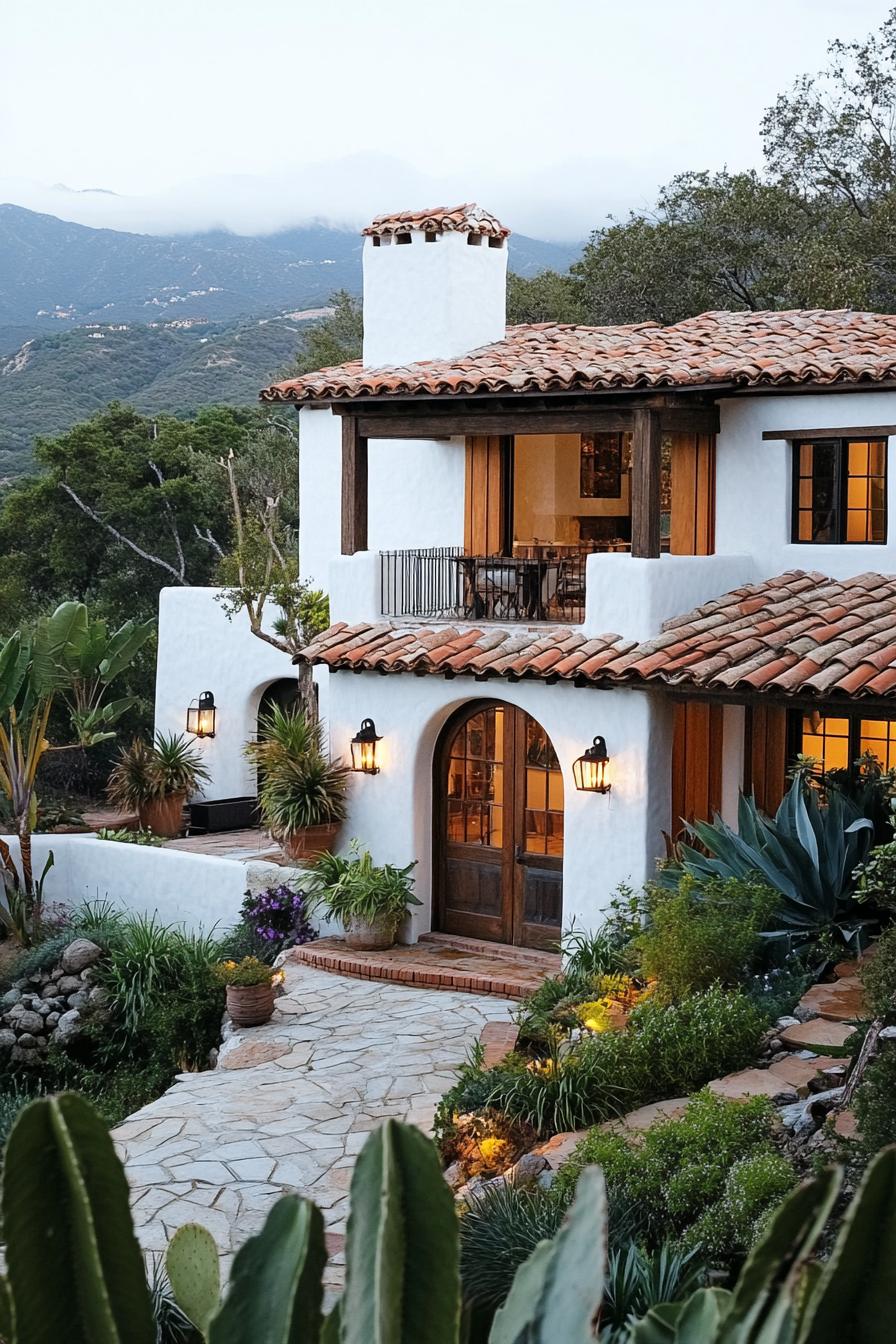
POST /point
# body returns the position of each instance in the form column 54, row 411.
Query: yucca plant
column 298, row 785
column 147, row 776
column 808, row 854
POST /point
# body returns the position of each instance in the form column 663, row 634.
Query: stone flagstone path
column 291, row 1103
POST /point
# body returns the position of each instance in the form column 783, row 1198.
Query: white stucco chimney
column 434, row 284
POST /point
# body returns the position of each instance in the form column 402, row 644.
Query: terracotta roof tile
column 730, row 349
column 468, row 218
column 729, row 645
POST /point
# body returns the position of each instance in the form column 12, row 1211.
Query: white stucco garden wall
column 754, row 481
column 196, row 892
column 608, row 839
column 201, row 650
column 629, row 596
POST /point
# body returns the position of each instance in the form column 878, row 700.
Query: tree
column 261, row 571
column 546, row 297
column 335, row 340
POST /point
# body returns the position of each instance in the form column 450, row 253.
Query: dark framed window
column 837, row 740
column 600, row 466
column 840, row 491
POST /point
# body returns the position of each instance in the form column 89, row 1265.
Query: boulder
column 10, row 999
column 526, row 1170
column 29, row 1021
column 454, row 1176
column 69, row 1027
column 7, row 1041
column 79, row 1000
column 79, row 955
column 27, row 1041
column 70, row 984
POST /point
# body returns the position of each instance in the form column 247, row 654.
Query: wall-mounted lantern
column 201, row 716
column 364, row 748
column 590, row 770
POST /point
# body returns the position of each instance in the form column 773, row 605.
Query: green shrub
column 878, row 976
column 666, row 1051
column 703, row 1168
column 702, row 933
column 875, row 1103
column 149, row 961
column 754, row 1187
column 877, row 877
column 15, row 1094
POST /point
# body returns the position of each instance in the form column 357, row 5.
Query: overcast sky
column 256, row 114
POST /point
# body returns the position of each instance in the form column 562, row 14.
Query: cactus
column 276, row 1286
column 75, row 1270
column 65, row 1210
column 402, row 1281
column 191, row 1263
column 557, row 1292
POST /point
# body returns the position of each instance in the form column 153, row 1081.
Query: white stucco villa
column 675, row 540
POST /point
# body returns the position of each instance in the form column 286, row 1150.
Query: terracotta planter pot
column 310, row 841
column 374, row 937
column 163, row 816
column 250, row 1005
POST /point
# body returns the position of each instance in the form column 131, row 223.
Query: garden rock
column 526, row 1170
column 818, row 1033
column 557, row 1149
column 52, row 1006
column 29, row 1021
column 454, row 1176
column 69, row 1026
column 79, row 955
column 784, row 1022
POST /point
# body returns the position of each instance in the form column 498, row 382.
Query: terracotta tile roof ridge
column 466, row 218
column 709, row 350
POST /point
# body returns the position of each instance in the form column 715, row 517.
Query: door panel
column 485, row 505
column 693, row 467
column 499, row 823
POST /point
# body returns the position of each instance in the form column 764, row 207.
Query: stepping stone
column 800, row 1072
column 845, row 968
column 645, row 1116
column 842, row 1001
column 846, row 1125
column 819, row 1034
column 557, row 1149
column 754, row 1083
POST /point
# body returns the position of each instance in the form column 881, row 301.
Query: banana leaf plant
column 36, row 665
column 93, row 659
column 808, row 853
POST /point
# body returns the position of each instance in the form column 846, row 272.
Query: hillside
column 56, row 275
column 52, row 382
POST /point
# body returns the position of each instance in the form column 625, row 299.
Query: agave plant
column 808, row 854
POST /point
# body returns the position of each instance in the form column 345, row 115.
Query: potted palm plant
column 301, row 792
column 250, row 990
column 370, row 901
column 154, row 779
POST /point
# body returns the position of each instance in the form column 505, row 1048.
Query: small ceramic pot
column 309, row 842
column 164, row 816
column 374, row 937
column 250, row 1005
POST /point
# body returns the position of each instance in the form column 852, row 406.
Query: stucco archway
column 498, row 813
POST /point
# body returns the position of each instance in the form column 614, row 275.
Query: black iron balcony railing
column 445, row 583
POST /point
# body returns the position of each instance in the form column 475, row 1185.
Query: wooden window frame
column 853, row 716
column 841, row 487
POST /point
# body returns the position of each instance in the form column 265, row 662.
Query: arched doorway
column 283, row 693
column 498, row 816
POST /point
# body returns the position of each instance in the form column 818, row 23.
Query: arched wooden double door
column 499, row 828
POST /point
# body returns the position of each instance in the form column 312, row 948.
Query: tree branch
column 120, row 537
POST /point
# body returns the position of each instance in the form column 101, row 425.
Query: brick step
column 548, row 962
column 427, row 966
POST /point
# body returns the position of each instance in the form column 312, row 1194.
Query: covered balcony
column 545, row 491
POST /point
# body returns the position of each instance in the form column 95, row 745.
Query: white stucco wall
column 608, row 839
column 431, row 300
column 196, row 892
column 626, row 595
column 320, row 493
column 754, row 483
column 415, row 493
column 201, row 650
